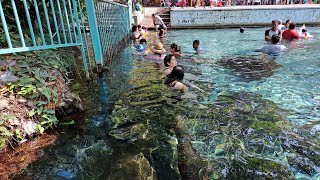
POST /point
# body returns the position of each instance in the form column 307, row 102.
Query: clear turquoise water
column 295, row 86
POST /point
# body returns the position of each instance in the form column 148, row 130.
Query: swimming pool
column 295, row 86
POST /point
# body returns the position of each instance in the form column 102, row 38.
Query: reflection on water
column 227, row 126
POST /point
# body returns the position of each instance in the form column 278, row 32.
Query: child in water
column 196, row 45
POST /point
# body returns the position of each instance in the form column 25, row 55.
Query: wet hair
column 177, row 73
column 167, row 59
column 196, row 42
column 175, row 47
column 287, row 21
column 304, row 30
column 143, row 41
column 134, row 28
column 275, row 39
column 241, row 30
column 292, row 25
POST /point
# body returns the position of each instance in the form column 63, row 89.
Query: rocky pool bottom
column 141, row 130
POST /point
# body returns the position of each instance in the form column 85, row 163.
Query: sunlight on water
column 295, row 86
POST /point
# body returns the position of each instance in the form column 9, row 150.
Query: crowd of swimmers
column 173, row 74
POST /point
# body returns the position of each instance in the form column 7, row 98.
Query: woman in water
column 157, row 53
column 175, row 50
column 169, row 62
column 175, row 78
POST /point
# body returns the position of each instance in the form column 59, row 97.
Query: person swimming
column 241, row 30
column 175, row 50
column 196, row 46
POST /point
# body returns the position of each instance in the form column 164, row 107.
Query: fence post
column 130, row 12
column 94, row 33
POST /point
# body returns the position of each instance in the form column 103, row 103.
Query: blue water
column 295, row 86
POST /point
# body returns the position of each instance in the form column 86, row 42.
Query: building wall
column 243, row 16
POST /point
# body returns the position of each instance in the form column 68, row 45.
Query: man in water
column 195, row 45
column 158, row 22
column 273, row 49
column 291, row 34
column 273, row 31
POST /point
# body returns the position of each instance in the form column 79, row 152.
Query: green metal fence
column 110, row 24
column 28, row 25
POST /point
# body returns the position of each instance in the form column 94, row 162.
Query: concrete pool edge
column 248, row 16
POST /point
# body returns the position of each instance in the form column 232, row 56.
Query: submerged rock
column 135, row 168
column 251, row 67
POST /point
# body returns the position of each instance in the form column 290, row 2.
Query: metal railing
column 110, row 25
column 43, row 24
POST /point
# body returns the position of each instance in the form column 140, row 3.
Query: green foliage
column 39, row 73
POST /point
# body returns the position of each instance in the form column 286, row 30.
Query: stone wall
column 243, row 16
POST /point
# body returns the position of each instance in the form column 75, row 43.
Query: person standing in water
column 273, row 31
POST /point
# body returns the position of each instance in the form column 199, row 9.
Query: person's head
column 134, row 28
column 274, row 24
column 196, row 44
column 170, row 61
column 292, row 26
column 143, row 41
column 153, row 15
column 275, row 39
column 140, row 48
column 158, row 48
column 304, row 30
column 139, row 27
column 280, row 22
column 174, row 48
column 241, row 30
column 288, row 23
column 176, row 74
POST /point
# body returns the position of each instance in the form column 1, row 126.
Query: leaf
column 69, row 123
column 39, row 110
column 40, row 128
column 32, row 113
column 26, row 81
column 41, row 103
column 46, row 92
column 62, row 104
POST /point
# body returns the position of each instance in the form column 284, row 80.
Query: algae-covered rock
column 135, row 168
column 251, row 67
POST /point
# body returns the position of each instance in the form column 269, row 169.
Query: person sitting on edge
column 161, row 33
column 273, row 31
column 273, row 49
column 291, row 34
column 169, row 62
column 281, row 27
column 135, row 35
column 175, row 50
column 241, row 30
column 196, row 45
column 158, row 22
column 175, row 78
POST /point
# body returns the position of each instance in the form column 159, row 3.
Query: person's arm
column 266, row 36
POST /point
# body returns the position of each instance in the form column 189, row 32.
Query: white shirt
column 273, row 49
